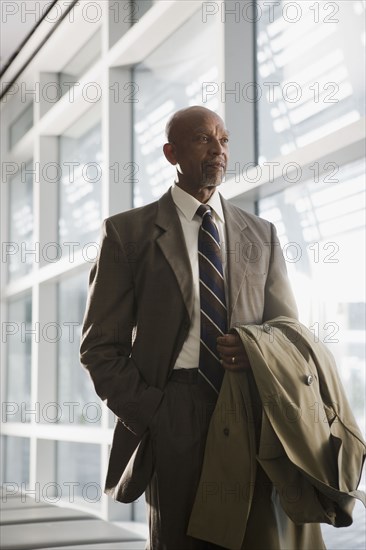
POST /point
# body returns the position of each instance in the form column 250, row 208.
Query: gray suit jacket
column 139, row 309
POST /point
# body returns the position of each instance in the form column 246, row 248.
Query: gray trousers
column 178, row 435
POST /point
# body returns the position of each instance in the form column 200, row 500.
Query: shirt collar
column 188, row 205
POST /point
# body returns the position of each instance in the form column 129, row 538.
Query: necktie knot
column 208, row 224
column 203, row 209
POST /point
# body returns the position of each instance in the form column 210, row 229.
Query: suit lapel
column 237, row 249
column 172, row 243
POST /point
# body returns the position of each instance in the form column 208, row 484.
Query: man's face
column 200, row 145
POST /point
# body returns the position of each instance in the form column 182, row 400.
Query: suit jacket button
column 267, row 328
column 226, row 431
column 309, row 380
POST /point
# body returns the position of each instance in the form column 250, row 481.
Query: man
column 153, row 322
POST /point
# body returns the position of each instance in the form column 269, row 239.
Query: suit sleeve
column 279, row 298
column 106, row 340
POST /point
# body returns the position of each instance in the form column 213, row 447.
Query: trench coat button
column 226, row 431
column 309, row 380
column 267, row 328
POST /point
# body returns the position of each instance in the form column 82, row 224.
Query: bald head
column 187, row 117
column 198, row 148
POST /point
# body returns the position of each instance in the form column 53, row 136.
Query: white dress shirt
column 187, row 207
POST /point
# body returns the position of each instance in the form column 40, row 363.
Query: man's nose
column 217, row 147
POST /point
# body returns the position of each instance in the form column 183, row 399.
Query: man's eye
column 204, row 139
column 225, row 140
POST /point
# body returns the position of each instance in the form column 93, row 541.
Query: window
column 138, row 9
column 80, row 185
column 169, row 79
column 19, row 344
column 78, row 473
column 15, row 454
column 310, row 72
column 76, row 394
column 321, row 230
column 20, row 260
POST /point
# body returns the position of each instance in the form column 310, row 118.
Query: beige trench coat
column 273, row 472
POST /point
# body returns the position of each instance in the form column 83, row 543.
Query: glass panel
column 138, row 9
column 167, row 80
column 80, row 187
column 311, row 71
column 19, row 343
column 76, row 394
column 78, row 473
column 15, row 451
column 21, row 125
column 19, row 258
column 81, row 62
column 321, row 230
column 2, row 459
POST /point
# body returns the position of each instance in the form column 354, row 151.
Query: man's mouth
column 217, row 165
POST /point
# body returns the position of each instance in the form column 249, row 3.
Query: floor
column 33, row 525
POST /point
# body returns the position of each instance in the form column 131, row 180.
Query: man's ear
column 169, row 152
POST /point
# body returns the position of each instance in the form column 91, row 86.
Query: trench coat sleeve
column 309, row 438
column 106, row 340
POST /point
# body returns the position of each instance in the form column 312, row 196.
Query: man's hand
column 232, row 352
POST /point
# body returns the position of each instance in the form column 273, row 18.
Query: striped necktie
column 212, row 298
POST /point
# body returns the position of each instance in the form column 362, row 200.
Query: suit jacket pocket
column 138, row 472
